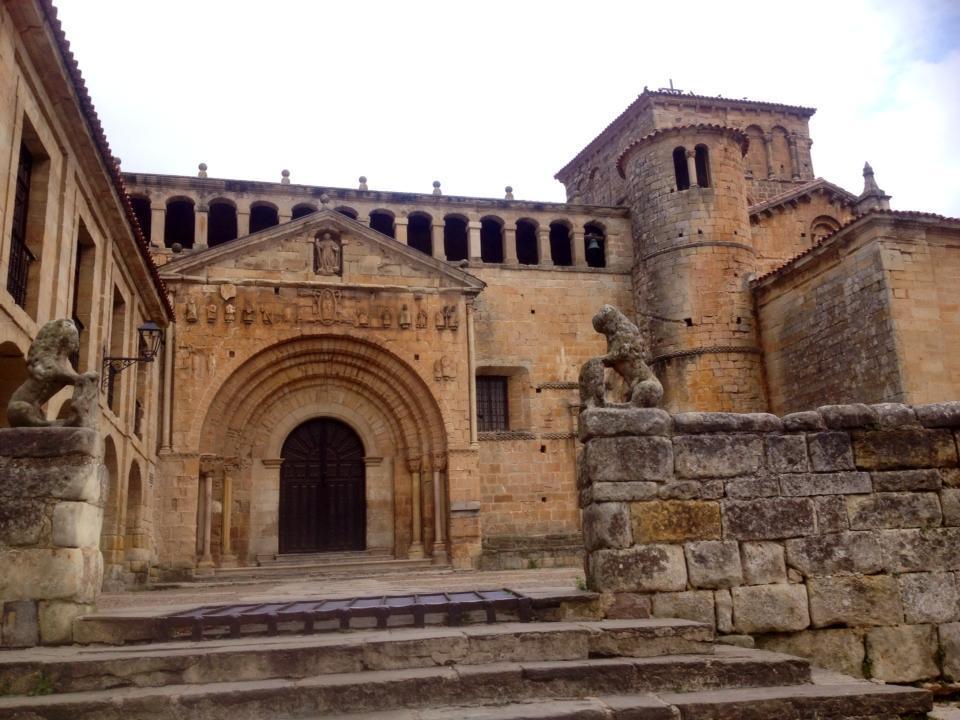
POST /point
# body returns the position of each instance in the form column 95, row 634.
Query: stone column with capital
column 473, row 240
column 543, row 246
column 768, row 154
column 243, row 222
column 416, row 522
column 436, row 241
column 692, row 168
column 794, row 156
column 200, row 224
column 440, row 556
column 400, row 229
column 579, row 250
column 158, row 221
column 227, row 558
column 510, row 245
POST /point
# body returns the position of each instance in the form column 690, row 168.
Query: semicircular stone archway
column 378, row 396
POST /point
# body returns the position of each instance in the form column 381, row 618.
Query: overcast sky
column 479, row 95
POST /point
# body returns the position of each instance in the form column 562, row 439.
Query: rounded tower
column 693, row 264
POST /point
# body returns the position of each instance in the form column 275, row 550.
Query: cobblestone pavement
column 304, row 588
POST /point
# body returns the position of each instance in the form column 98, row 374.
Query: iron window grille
column 492, row 408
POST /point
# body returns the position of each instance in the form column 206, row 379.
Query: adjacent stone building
column 392, row 375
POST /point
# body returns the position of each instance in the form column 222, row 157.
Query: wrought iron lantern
column 151, row 338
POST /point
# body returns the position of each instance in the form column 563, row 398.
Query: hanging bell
column 593, row 243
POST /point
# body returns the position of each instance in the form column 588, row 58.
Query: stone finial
column 363, row 183
column 324, row 200
column 284, row 177
column 436, row 188
column 203, row 170
column 872, row 197
column 508, row 190
column 48, row 371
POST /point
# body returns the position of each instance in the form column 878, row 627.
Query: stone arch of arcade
column 351, row 380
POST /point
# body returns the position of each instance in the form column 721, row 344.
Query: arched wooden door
column 322, row 489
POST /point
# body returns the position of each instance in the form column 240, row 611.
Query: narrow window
column 680, row 168
column 454, row 238
column 263, row 217
column 222, row 223
column 20, row 254
column 560, row 251
column 348, row 211
column 491, row 240
column 418, row 233
column 595, row 245
column 117, row 345
column 382, row 222
column 702, row 162
column 527, row 246
column 82, row 306
column 179, row 226
column 492, row 412
column 141, row 208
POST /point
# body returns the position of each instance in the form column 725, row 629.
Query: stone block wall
column 51, row 512
column 833, row 534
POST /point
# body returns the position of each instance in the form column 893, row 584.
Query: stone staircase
column 649, row 669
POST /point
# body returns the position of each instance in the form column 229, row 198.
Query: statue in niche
column 326, row 254
column 443, row 368
column 49, row 371
column 440, row 318
column 362, row 316
column 191, row 311
column 405, row 320
column 421, row 319
column 625, row 355
column 230, row 313
column 386, row 317
column 327, row 306
column 212, row 311
column 290, row 313
column 450, row 313
column 249, row 314
column 266, row 317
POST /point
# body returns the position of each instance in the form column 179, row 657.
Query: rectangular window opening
column 492, row 407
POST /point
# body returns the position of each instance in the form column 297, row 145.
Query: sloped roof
column 798, row 192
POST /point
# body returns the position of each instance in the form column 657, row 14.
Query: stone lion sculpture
column 625, row 353
column 49, row 371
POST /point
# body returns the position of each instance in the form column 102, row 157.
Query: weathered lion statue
column 625, row 353
column 49, row 371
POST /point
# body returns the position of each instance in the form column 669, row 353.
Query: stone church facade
column 391, row 376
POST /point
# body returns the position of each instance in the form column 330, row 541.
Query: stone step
column 307, row 568
column 381, row 690
column 851, row 699
column 328, row 557
column 80, row 669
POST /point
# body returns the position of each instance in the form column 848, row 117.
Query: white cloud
column 481, row 95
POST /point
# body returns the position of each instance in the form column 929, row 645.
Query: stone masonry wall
column 833, row 534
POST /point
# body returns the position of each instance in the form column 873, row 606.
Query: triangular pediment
column 324, row 247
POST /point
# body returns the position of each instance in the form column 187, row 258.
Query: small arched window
column 491, row 240
column 382, row 222
column 263, row 216
column 141, row 208
column 455, row 238
column 301, row 210
column 419, row 232
column 702, row 161
column 527, row 251
column 179, row 225
column 560, row 250
column 348, row 211
column 221, row 223
column 595, row 245
column 680, row 168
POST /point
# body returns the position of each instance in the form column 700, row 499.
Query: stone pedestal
column 52, row 488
